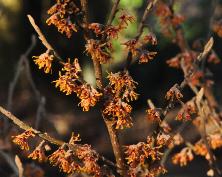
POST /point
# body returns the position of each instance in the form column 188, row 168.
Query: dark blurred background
column 62, row 114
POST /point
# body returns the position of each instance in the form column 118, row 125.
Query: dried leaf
column 199, row 95
column 19, row 165
column 208, row 46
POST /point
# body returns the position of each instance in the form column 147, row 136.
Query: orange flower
column 88, row 96
column 22, row 139
column 119, row 111
column 215, row 140
column 67, row 81
column 183, row 157
column 174, row 93
column 139, row 153
column 125, row 19
column 132, row 46
column 66, row 84
column 44, row 61
column 153, row 115
column 74, row 138
column 97, row 28
column 112, row 31
column 201, row 149
column 60, row 16
column 124, row 85
column 98, row 51
column 39, row 153
column 146, row 56
column 150, row 38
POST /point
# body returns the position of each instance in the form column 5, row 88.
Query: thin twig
column 212, row 161
column 42, row 37
column 148, row 9
column 42, row 135
column 113, row 12
column 22, row 63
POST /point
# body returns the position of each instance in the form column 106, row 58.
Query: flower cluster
column 61, row 15
column 98, row 51
column 186, row 61
column 120, row 111
column 44, row 61
column 153, row 115
column 201, row 149
column 174, row 93
column 121, row 89
column 187, row 154
column 135, row 47
column 187, row 110
column 70, row 157
column 112, row 31
column 39, row 153
column 137, row 156
column 69, row 83
column 82, row 159
column 88, row 96
column 183, row 157
column 22, row 139
column 215, row 140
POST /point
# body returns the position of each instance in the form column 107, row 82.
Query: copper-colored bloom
column 174, row 93
column 39, row 153
column 183, row 157
column 67, row 81
column 153, row 115
column 201, row 149
column 137, row 154
column 146, row 56
column 61, row 17
column 119, row 111
column 132, row 46
column 98, row 51
column 88, row 96
column 44, row 61
column 22, row 139
column 123, row 83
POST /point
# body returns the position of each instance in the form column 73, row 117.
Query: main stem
column 113, row 134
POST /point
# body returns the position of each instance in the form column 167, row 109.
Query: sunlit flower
column 67, row 81
column 88, row 96
column 22, row 139
column 183, row 157
column 153, row 115
column 201, row 149
column 138, row 153
column 39, row 153
column 119, row 111
column 215, row 141
column 123, row 83
column 61, row 16
column 44, row 61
